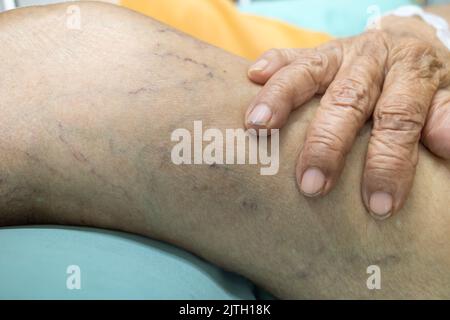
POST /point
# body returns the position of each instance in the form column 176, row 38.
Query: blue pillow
column 51, row 262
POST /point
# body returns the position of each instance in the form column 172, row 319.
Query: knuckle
column 281, row 85
column 333, row 49
column 379, row 175
column 375, row 35
column 400, row 113
column 313, row 63
column 392, row 152
column 281, row 91
column 312, row 58
column 420, row 57
column 389, row 161
column 349, row 89
column 324, row 141
column 419, row 49
column 273, row 54
column 349, row 93
column 307, row 65
column 282, row 55
column 372, row 44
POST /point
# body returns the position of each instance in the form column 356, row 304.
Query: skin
column 374, row 75
column 85, row 140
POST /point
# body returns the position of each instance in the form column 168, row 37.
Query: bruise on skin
column 178, row 57
column 219, row 166
column 389, row 259
column 249, row 204
column 173, row 31
column 137, row 91
column 204, row 65
column 213, row 165
column 144, row 89
column 13, row 196
column 200, row 44
column 78, row 155
column 302, row 275
column 184, row 83
column 190, row 85
column 36, row 159
column 201, row 188
column 115, row 149
column 119, row 188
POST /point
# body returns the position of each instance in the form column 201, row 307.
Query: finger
column 270, row 62
column 436, row 134
column 345, row 107
column 399, row 118
column 290, row 87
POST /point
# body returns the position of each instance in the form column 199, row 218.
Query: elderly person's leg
column 86, row 123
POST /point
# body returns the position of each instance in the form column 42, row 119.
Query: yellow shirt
column 220, row 23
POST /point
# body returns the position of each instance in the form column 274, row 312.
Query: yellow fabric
column 219, row 22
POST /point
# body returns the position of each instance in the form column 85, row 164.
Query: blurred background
column 336, row 17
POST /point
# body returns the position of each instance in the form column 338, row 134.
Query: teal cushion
column 34, row 262
column 336, row 17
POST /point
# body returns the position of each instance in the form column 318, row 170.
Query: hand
column 398, row 77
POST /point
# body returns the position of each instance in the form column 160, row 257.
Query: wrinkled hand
column 401, row 80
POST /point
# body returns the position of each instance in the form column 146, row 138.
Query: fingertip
column 381, row 205
column 436, row 133
column 312, row 182
column 438, row 141
column 384, row 192
column 256, row 71
column 259, row 116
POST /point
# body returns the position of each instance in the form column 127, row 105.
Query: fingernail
column 260, row 115
column 380, row 205
column 313, row 181
column 258, row 66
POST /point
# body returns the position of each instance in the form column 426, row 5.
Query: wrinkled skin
column 398, row 74
column 85, row 131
